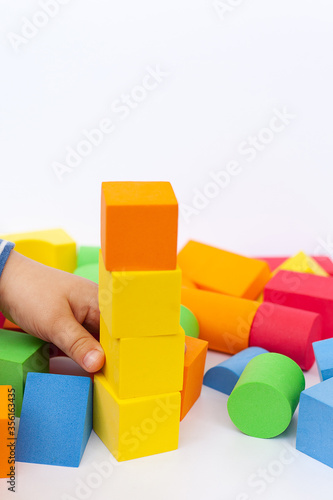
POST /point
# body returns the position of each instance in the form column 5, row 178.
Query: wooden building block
column 266, row 395
column 324, row 358
column 189, row 322
column 136, row 427
column 224, row 376
column 220, row 271
column 56, row 419
column 287, row 331
column 224, row 321
column 314, row 426
column 194, row 367
column 52, row 247
column 143, row 366
column 21, row 353
column 139, row 222
column 303, row 291
column 140, row 303
column 7, row 431
column 2, row 320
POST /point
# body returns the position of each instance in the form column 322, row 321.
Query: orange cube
column 225, row 272
column 139, row 223
column 7, row 432
column 194, row 367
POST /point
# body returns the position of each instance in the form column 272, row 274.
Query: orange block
column 225, row 322
column 187, row 283
column 7, row 432
column 139, row 223
column 194, row 367
column 8, row 325
column 220, row 271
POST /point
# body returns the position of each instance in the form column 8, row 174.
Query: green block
column 21, row 353
column 89, row 271
column 189, row 322
column 87, row 255
column 266, row 395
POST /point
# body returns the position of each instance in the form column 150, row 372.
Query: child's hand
column 55, row 306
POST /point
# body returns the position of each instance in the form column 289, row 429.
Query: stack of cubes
column 137, row 394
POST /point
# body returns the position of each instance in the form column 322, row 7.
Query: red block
column 2, row 320
column 287, row 331
column 273, row 262
column 325, row 263
column 304, row 291
column 322, row 260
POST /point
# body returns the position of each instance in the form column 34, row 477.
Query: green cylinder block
column 189, row 322
column 266, row 395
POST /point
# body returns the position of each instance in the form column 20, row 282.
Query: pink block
column 2, row 320
column 273, row 262
column 287, row 331
column 323, row 261
column 303, row 291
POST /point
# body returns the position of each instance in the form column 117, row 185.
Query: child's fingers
column 77, row 343
column 83, row 300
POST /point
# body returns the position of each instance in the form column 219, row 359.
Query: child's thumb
column 77, row 343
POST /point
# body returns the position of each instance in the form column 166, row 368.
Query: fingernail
column 91, row 358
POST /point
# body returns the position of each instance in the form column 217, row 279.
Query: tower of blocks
column 137, row 397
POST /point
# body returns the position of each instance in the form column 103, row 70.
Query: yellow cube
column 137, row 427
column 143, row 366
column 139, row 303
column 52, row 247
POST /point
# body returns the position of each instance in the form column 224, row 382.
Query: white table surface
column 214, row 460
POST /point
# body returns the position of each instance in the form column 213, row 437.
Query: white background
column 227, row 71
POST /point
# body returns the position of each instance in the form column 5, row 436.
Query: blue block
column 315, row 422
column 224, row 376
column 56, row 419
column 324, row 358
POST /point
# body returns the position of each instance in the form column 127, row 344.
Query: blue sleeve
column 5, row 248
